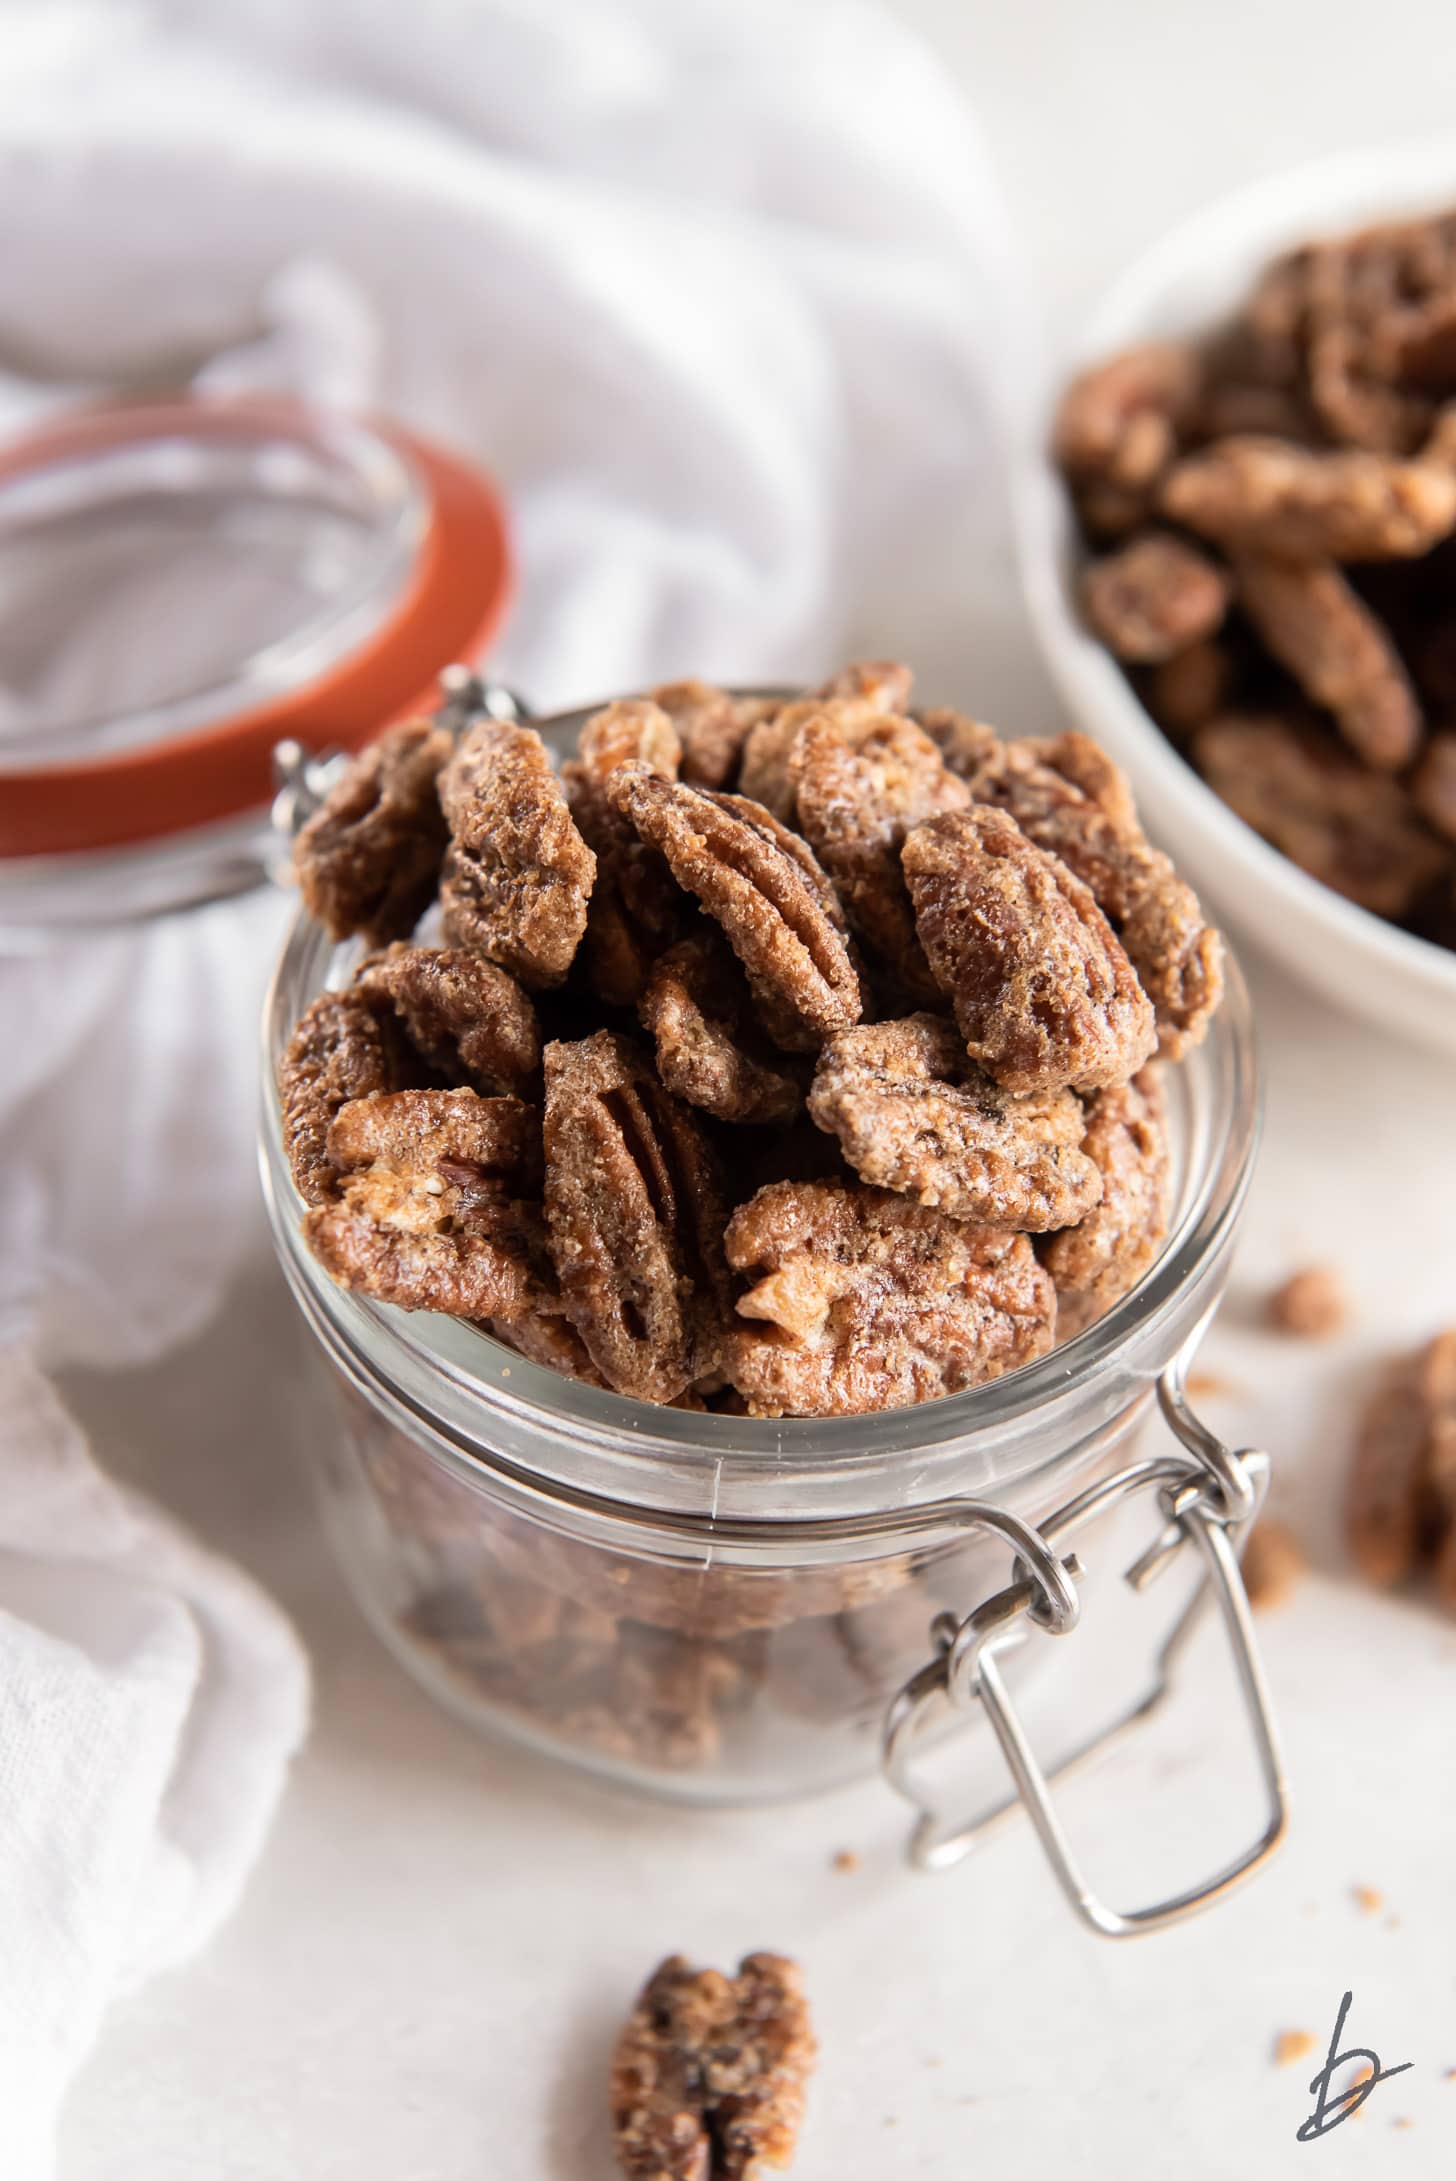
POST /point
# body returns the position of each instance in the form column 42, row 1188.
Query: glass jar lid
column 186, row 582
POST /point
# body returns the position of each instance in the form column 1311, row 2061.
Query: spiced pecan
column 699, row 1010
column 549, row 1338
column 762, row 885
column 635, row 1213
column 1071, row 800
column 913, row 1114
column 1316, row 624
column 1188, row 689
column 1044, row 994
column 1098, row 1261
column 1433, row 787
column 1299, row 503
column 868, row 1301
column 863, row 692
column 635, row 909
column 966, row 744
column 466, row 1017
column 1154, row 597
column 368, row 858
column 710, row 2072
column 1118, row 422
column 434, row 1209
column 342, row 1048
column 1356, row 830
column 1386, row 1510
column 518, row 874
column 857, row 792
column 712, row 727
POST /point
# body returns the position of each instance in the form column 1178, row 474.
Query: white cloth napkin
column 717, row 289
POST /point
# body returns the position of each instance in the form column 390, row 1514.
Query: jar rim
column 488, row 1405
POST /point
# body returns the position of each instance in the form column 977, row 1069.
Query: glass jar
column 720, row 1609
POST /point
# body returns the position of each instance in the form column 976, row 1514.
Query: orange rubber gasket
column 452, row 604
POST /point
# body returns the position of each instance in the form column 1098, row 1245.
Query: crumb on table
column 846, row 1859
column 1292, row 2045
column 1367, row 1899
column 1312, row 1304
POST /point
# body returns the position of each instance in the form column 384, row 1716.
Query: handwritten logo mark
column 1329, row 2110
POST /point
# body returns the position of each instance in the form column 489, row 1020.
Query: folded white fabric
column 717, row 289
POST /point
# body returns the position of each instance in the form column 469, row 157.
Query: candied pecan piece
column 1312, row 1303
column 1190, row 688
column 1299, row 503
column 1316, row 624
column 1386, row 1513
column 1271, row 1564
column 464, row 1015
column 698, row 1008
column 518, row 875
column 430, row 1211
column 764, row 887
column 870, row 1301
column 913, row 1114
column 857, row 694
column 1433, row 787
column 1118, row 422
column 1071, row 800
column 548, row 1339
column 1154, row 597
column 856, row 798
column 1355, row 830
column 341, row 1049
column 1045, row 996
column 635, row 909
column 712, row 727
column 368, row 858
column 635, row 1213
column 710, row 2072
column 966, row 744
column 1096, row 1263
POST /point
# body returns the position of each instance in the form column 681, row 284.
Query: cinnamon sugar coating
column 1301, row 503
column 518, row 875
column 368, row 859
column 710, row 1051
column 912, row 1113
column 862, row 692
column 710, row 2072
column 635, row 909
column 867, row 1301
column 1043, row 992
column 712, row 726
column 1154, row 597
column 342, row 1048
column 1097, row 1262
column 1316, row 624
column 468, row 1019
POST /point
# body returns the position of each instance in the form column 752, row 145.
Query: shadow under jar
column 724, row 1610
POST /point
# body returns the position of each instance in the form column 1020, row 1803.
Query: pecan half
column 762, row 885
column 859, row 693
column 431, row 1212
column 368, row 858
column 712, row 727
column 467, row 1018
column 1356, row 830
column 857, row 792
column 1118, row 423
column 518, row 874
column 1190, row 688
column 1433, row 788
column 913, row 1114
column 1095, row 1263
column 635, row 1213
column 710, row 2072
column 1154, row 597
column 635, row 909
column 1401, row 1505
column 1071, row 800
column 869, row 1301
column 1316, row 624
column 342, row 1048
column 1301, row 503
column 1044, row 994
column 699, row 1010
column 966, row 744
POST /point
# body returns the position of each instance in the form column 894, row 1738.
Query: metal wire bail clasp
column 1208, row 1495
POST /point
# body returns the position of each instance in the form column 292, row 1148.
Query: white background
column 424, row 1977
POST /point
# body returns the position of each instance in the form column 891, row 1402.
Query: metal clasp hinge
column 1210, row 1499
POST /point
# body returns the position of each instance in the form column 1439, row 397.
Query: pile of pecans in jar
column 778, row 1057
column 1274, row 515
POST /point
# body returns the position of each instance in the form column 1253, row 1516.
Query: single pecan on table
column 710, row 2073
column 1401, row 1505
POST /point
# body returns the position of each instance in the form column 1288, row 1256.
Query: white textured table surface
column 423, row 1979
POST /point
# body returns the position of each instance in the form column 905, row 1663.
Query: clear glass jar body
column 707, row 1607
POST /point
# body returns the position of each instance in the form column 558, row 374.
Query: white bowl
column 1188, row 283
